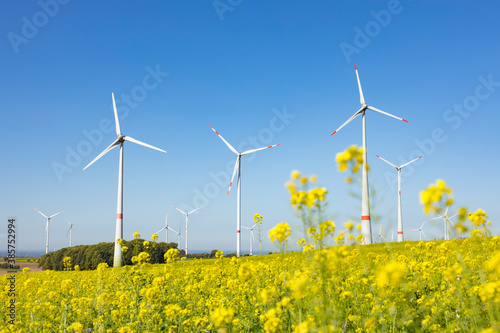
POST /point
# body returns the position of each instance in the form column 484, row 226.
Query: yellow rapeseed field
column 433, row 286
column 429, row 286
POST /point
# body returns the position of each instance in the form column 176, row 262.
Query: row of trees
column 87, row 257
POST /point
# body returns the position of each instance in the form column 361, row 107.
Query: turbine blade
column 236, row 166
column 227, row 143
column 117, row 122
column 41, row 213
column 172, row 230
column 349, row 120
column 159, row 230
column 194, row 210
column 254, row 150
column 251, row 234
column 410, row 162
column 361, row 97
column 67, row 233
column 424, row 234
column 387, row 114
column 386, row 161
column 437, row 217
column 111, row 146
column 179, row 210
column 422, row 225
column 446, row 212
column 51, row 216
column 129, row 139
column 246, row 228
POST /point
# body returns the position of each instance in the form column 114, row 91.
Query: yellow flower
column 26, row 270
column 478, row 217
column 119, row 241
column 136, row 235
column 349, row 225
column 154, row 237
column 222, row 316
column 124, row 249
column 295, row 174
column 280, row 232
column 257, row 218
column 313, row 178
column 390, row 275
column 171, row 256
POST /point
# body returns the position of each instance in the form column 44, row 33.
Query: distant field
column 432, row 286
column 23, row 262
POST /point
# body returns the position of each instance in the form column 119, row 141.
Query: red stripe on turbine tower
column 400, row 232
column 365, row 217
column 238, row 231
column 119, row 216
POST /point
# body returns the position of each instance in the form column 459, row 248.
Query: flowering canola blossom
column 433, row 286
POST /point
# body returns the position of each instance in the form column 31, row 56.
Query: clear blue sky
column 260, row 73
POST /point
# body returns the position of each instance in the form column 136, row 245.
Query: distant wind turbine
column 252, row 239
column 70, row 232
column 380, row 236
column 400, row 214
column 47, row 226
column 237, row 166
column 118, row 257
column 366, row 229
column 187, row 215
column 164, row 228
column 446, row 220
column 420, row 231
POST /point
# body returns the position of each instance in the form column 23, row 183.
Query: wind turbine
column 179, row 236
column 164, row 228
column 400, row 213
column 446, row 219
column 380, row 236
column 420, row 231
column 187, row 215
column 237, row 166
column 47, row 225
column 252, row 239
column 70, row 231
column 366, row 229
column 118, row 257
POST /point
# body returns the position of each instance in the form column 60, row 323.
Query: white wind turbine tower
column 237, row 166
column 47, row 225
column 165, row 228
column 446, row 219
column 400, row 213
column 187, row 215
column 420, row 231
column 366, row 230
column 118, row 257
column 70, row 232
column 252, row 239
